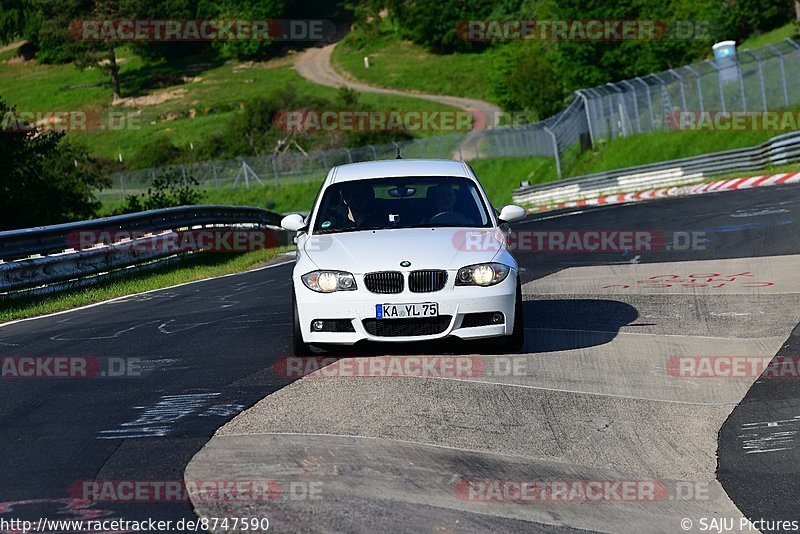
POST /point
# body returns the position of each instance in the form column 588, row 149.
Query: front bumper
column 359, row 305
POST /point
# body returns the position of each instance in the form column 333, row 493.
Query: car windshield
column 389, row 203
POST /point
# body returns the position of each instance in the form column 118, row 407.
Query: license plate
column 401, row 311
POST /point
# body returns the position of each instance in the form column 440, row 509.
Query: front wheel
column 299, row 347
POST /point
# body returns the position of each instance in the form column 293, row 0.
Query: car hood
column 383, row 250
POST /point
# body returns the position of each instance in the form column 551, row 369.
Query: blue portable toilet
column 726, row 59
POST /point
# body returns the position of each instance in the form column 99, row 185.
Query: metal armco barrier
column 34, row 257
column 779, row 150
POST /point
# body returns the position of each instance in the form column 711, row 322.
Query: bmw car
column 404, row 251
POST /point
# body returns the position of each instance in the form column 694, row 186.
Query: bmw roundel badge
column 405, row 263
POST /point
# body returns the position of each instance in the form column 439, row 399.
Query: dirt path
column 11, row 46
column 315, row 65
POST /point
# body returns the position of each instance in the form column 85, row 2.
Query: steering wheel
column 453, row 217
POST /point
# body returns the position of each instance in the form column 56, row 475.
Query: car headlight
column 482, row 274
column 329, row 281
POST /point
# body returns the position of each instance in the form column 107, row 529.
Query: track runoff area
column 656, row 392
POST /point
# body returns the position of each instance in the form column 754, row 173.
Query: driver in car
column 358, row 200
column 444, row 199
column 444, row 206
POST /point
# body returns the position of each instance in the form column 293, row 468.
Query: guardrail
column 46, row 255
column 779, row 150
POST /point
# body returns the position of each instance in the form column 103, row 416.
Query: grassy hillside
column 188, row 101
column 402, row 64
column 770, row 37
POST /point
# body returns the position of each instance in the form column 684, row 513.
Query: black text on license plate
column 404, row 311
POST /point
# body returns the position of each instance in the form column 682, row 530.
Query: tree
column 44, row 178
column 102, row 53
column 524, row 78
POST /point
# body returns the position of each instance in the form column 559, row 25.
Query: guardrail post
column 555, row 150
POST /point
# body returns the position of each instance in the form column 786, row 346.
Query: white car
column 404, row 251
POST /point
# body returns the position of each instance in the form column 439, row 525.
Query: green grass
column 660, row 146
column 771, row 37
column 210, row 91
column 191, row 268
column 286, row 198
column 404, row 65
column 500, row 176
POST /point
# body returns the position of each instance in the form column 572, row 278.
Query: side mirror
column 512, row 213
column 293, row 222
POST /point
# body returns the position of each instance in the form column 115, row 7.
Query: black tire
column 299, row 347
column 515, row 341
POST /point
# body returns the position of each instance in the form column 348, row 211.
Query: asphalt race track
column 594, row 395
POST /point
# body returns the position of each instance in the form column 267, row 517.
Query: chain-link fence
column 767, row 78
column 755, row 80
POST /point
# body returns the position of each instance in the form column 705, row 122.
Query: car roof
column 399, row 167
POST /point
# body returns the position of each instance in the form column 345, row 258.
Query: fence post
column 620, row 106
column 680, row 87
column 649, row 103
column 374, row 152
column 666, row 102
column 555, row 150
column 275, row 171
column 699, row 86
column 349, row 155
column 216, row 178
column 635, row 104
column 783, row 75
column 588, row 116
column 760, row 78
column 597, row 97
column 741, row 84
column 719, row 84
column 421, row 148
